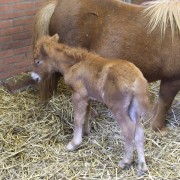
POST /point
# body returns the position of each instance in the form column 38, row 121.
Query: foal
column 117, row 83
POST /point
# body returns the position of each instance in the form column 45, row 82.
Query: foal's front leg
column 80, row 104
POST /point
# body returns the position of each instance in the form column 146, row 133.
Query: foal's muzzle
column 35, row 76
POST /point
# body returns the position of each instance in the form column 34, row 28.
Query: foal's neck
column 67, row 56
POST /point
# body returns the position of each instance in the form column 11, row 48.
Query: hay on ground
column 33, row 141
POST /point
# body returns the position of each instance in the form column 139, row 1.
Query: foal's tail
column 140, row 105
column 41, row 28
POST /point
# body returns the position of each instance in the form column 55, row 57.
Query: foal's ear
column 55, row 37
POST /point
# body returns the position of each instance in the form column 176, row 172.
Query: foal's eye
column 38, row 61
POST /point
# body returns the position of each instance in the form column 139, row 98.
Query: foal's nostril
column 37, row 79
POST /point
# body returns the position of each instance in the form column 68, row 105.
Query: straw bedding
column 33, row 141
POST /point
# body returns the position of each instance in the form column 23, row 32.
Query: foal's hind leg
column 168, row 90
column 139, row 141
column 128, row 129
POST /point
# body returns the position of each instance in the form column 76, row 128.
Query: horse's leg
column 80, row 105
column 139, row 141
column 48, row 86
column 168, row 90
column 56, row 80
column 86, row 127
column 127, row 127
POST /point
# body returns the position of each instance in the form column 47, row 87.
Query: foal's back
column 106, row 79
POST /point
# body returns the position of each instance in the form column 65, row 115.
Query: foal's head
column 43, row 65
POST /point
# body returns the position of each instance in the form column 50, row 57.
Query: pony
column 117, row 83
column 148, row 36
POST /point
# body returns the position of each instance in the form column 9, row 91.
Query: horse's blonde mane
column 162, row 13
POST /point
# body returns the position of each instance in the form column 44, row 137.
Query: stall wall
column 16, row 17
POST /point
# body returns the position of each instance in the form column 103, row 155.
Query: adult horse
column 115, row 29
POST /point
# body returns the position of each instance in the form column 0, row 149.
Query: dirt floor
column 33, row 141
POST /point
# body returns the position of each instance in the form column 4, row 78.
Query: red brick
column 8, row 67
column 5, row 16
column 4, row 54
column 29, row 55
column 5, row 8
column 16, row 14
column 3, row 76
column 13, row 59
column 16, row 44
column 23, row 21
column 9, row 1
column 12, row 30
column 23, row 49
column 6, row 24
column 13, row 72
column 22, row 36
column 23, row 6
column 39, row 3
column 22, row 64
column 28, row 27
column 5, row 39
column 23, row 13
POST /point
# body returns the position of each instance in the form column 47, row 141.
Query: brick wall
column 16, row 17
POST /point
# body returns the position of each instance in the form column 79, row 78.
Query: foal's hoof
column 142, row 169
column 71, row 146
column 142, row 173
column 124, row 165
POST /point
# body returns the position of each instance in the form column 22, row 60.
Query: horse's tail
column 162, row 13
column 41, row 28
column 42, row 20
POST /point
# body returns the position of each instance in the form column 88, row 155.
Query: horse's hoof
column 86, row 132
column 161, row 130
column 124, row 165
column 157, row 127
